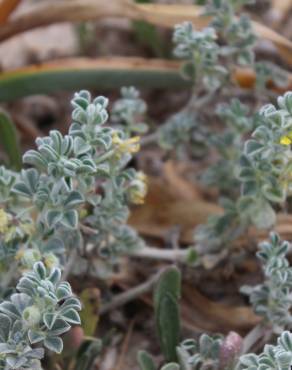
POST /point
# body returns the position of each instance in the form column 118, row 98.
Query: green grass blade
column 74, row 74
column 145, row 361
column 9, row 141
column 167, row 316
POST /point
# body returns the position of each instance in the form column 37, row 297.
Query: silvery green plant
column 236, row 31
column 221, row 230
column 229, row 145
column 207, row 62
column 77, row 188
column 202, row 354
column 201, row 51
column 266, row 162
column 272, row 299
column 273, row 357
column 183, row 133
column 129, row 112
column 34, row 318
column 263, row 171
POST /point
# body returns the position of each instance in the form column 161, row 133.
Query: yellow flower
column 51, row 261
column 27, row 228
column 138, row 189
column 285, row 140
column 4, row 221
column 131, row 145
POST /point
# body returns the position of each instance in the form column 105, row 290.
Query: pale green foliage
column 272, row 299
column 266, row 165
column 42, row 309
column 221, row 230
column 278, row 357
column 129, row 111
column 201, row 51
column 184, row 133
column 236, row 32
column 79, row 178
column 201, row 354
column 264, row 174
column 229, row 145
column 205, row 57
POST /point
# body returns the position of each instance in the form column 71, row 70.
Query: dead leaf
column 167, row 206
column 282, row 6
column 6, row 8
column 158, row 14
column 200, row 312
column 163, row 209
column 182, row 188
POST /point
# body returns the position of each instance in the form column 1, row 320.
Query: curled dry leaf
column 200, row 312
column 158, row 14
column 6, row 8
column 163, row 209
column 182, row 189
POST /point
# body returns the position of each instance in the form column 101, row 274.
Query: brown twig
column 131, row 294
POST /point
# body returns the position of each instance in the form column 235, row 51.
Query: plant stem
column 252, row 337
column 172, row 255
column 8, row 276
column 70, row 263
column 149, row 139
column 129, row 295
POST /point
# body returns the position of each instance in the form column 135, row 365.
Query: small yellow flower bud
column 4, row 221
column 131, row 145
column 138, row 189
column 51, row 261
column 29, row 257
column 285, row 140
column 32, row 315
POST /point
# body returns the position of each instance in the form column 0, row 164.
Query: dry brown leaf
column 167, row 206
column 200, row 312
column 282, row 6
column 6, row 8
column 181, row 188
column 163, row 209
column 158, row 14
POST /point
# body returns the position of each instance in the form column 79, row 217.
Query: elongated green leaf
column 87, row 354
column 9, row 140
column 168, row 326
column 171, row 366
column 169, row 283
column 74, row 74
column 166, row 296
column 145, row 361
